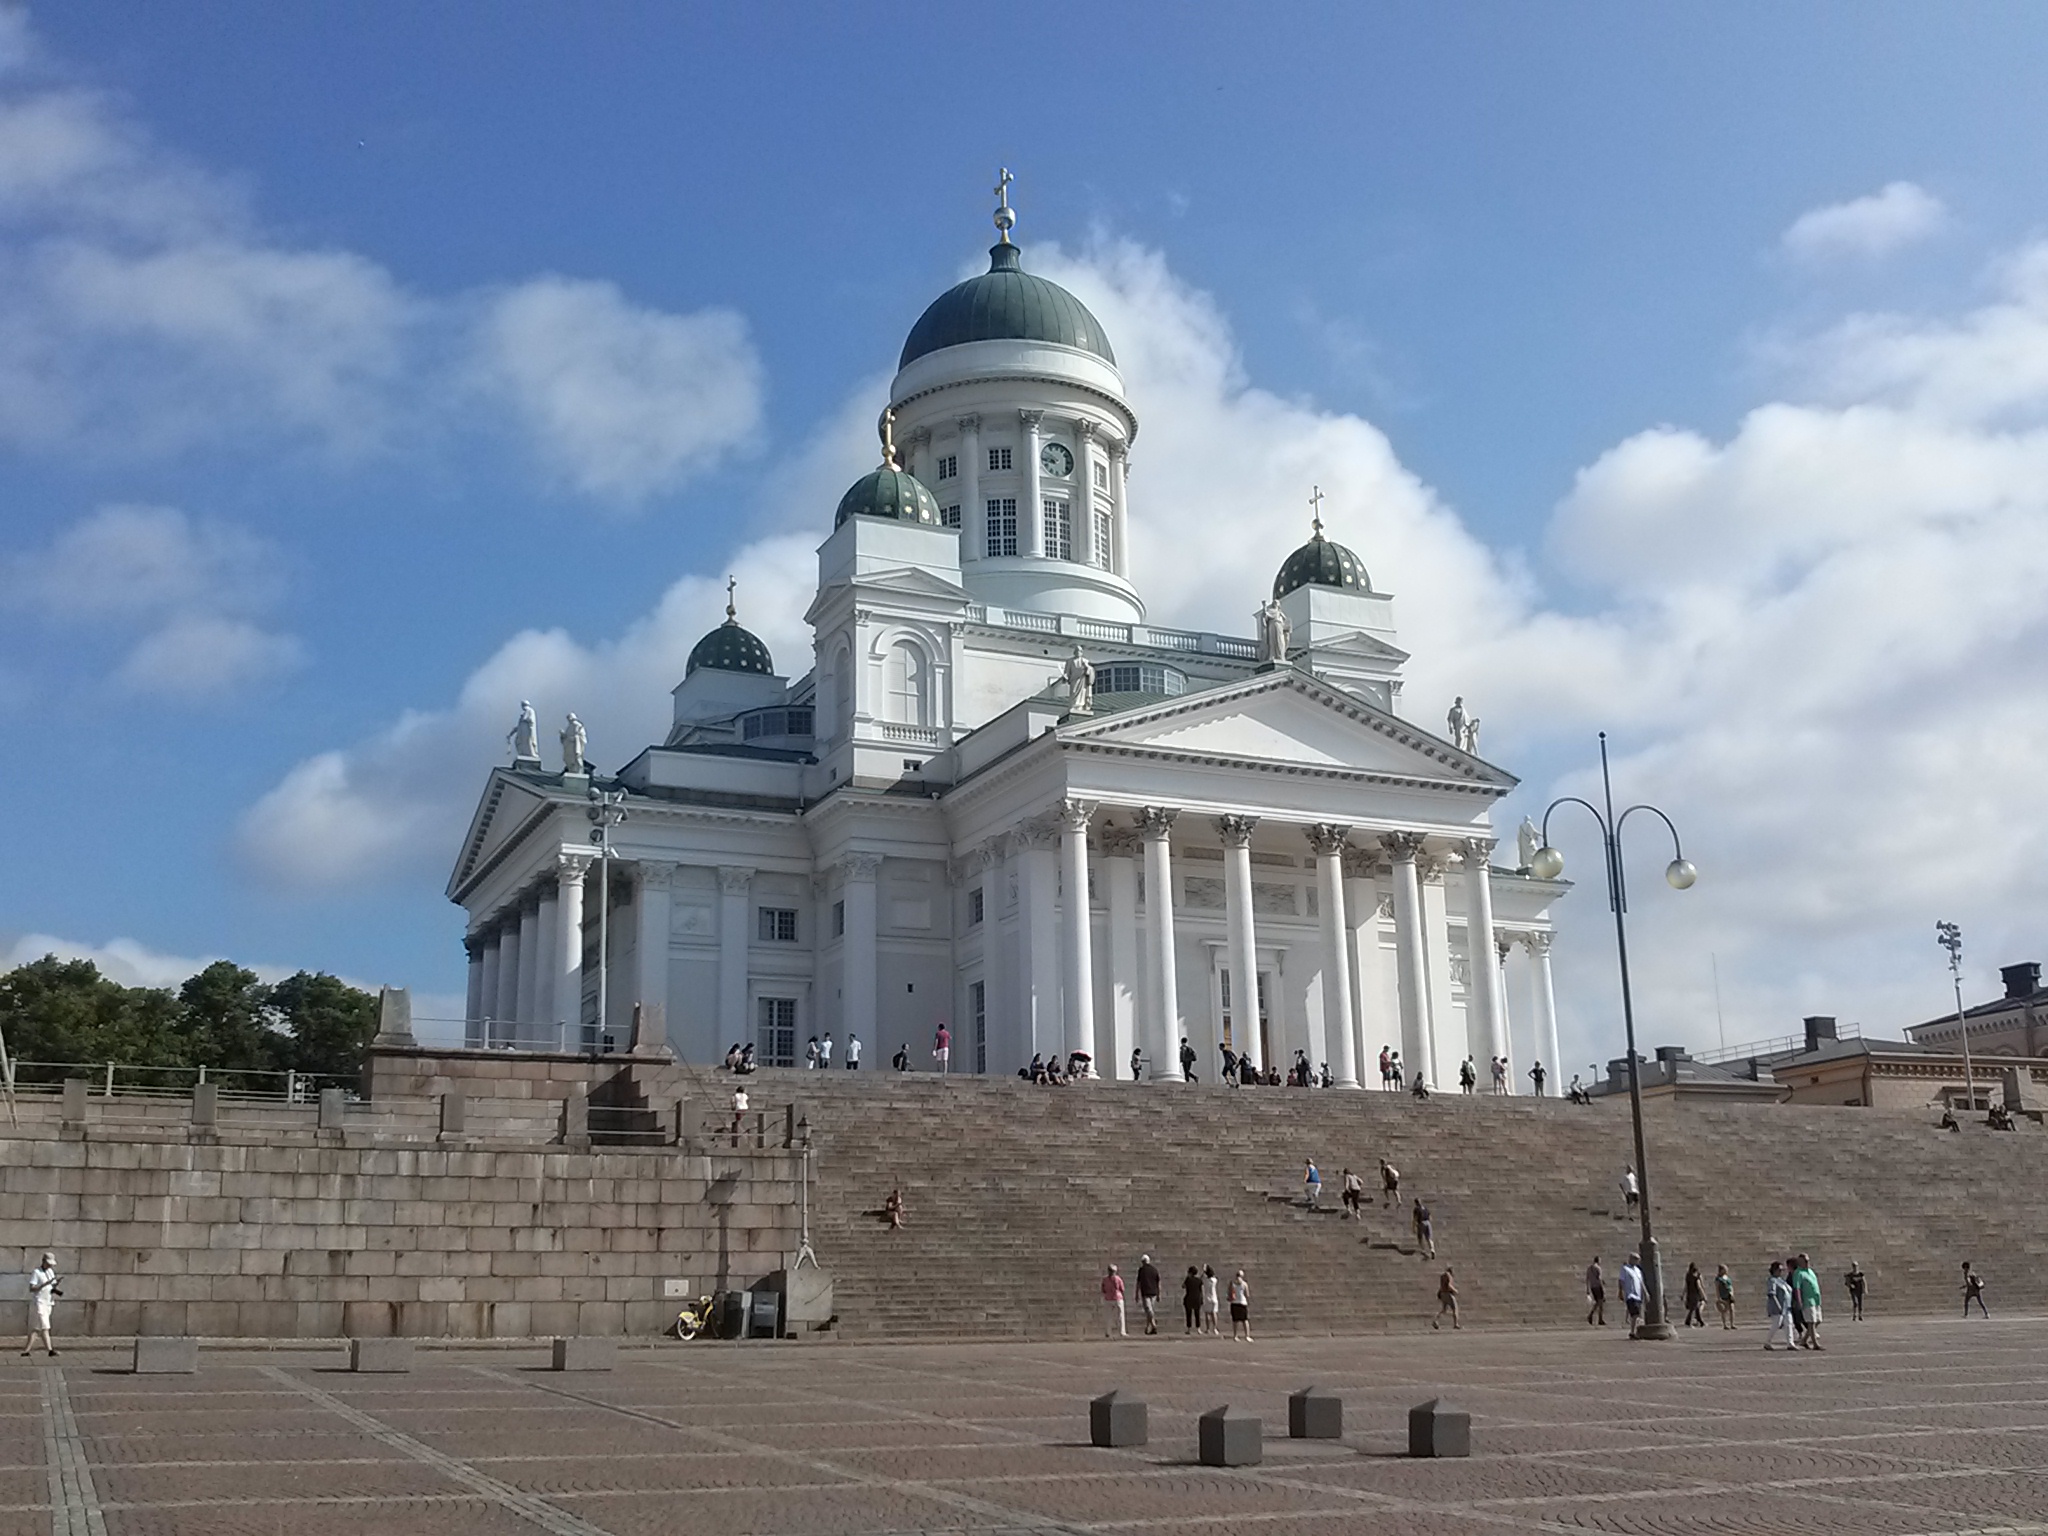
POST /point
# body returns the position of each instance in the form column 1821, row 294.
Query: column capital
column 1074, row 815
column 1084, row 429
column 1236, row 831
column 1503, row 942
column 573, row 866
column 1404, row 846
column 860, row 867
column 1477, row 850
column 1536, row 941
column 1118, row 448
column 1327, row 838
column 1031, row 419
column 968, row 423
column 735, row 879
column 474, row 944
column 655, row 876
column 1156, row 821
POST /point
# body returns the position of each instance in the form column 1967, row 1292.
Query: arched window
column 904, row 679
column 842, row 694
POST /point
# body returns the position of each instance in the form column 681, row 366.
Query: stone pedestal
column 1313, row 1414
column 806, row 1297
column 1230, row 1437
column 166, row 1357
column 1435, row 1428
column 583, row 1354
column 380, row 1356
column 1116, row 1420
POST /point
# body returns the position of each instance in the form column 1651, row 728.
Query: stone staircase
column 1017, row 1197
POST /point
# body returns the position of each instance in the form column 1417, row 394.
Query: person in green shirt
column 1724, row 1296
column 1807, row 1284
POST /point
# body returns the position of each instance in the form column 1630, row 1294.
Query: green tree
column 228, row 1023
column 66, row 1011
column 330, row 1023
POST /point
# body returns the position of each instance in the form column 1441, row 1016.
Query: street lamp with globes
column 1548, row 864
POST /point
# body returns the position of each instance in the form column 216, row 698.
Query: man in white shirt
column 42, row 1301
column 853, row 1053
column 1631, row 1280
column 825, row 1051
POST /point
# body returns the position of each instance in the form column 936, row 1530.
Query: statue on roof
column 1079, row 674
column 1527, row 841
column 573, row 743
column 525, row 736
column 1276, row 632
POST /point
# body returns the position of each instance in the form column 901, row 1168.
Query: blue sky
column 363, row 366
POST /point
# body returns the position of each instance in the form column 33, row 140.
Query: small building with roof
column 994, row 798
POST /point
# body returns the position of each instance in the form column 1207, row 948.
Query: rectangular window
column 1059, row 529
column 775, row 1036
column 838, row 919
column 950, row 516
column 800, row 722
column 1102, row 553
column 975, row 906
column 977, row 1005
column 1002, row 525
column 999, row 458
column 1101, row 475
column 949, row 465
column 775, row 925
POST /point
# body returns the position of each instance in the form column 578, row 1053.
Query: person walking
column 1468, row 1076
column 1425, row 1229
column 853, row 1053
column 1113, row 1305
column 1854, row 1282
column 1212, row 1304
column 1631, row 1280
column 1536, row 1076
column 1386, row 1070
column 1187, row 1061
column 1596, row 1294
column 739, row 1112
column 1354, row 1196
column 1191, row 1300
column 1631, row 1191
column 901, row 1061
column 1312, row 1185
column 42, row 1305
column 811, row 1055
column 942, row 1048
column 1798, row 1302
column 1446, row 1299
column 1973, row 1289
column 1695, row 1298
column 1806, row 1286
column 1777, row 1307
column 1148, row 1292
column 1724, row 1295
column 1241, row 1307
column 1390, row 1182
column 1137, row 1064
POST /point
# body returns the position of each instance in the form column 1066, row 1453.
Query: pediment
column 1286, row 718
column 907, row 584
column 501, row 816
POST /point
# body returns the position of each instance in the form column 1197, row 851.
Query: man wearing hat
column 42, row 1301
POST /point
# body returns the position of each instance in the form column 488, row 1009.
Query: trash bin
column 732, row 1314
column 766, row 1322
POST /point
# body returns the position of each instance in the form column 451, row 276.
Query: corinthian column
column 653, row 890
column 1543, row 1004
column 1078, row 970
column 858, row 968
column 1242, row 935
column 473, row 1004
column 1486, row 1027
column 735, row 888
column 569, row 871
column 1120, row 868
column 1162, row 1033
column 973, row 524
column 1409, row 962
column 1339, row 1031
column 1032, row 513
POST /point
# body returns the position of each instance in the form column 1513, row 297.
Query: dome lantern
column 1321, row 562
column 730, row 648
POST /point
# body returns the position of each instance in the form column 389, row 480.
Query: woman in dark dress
column 1695, row 1298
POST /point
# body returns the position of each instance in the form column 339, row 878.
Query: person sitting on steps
column 892, row 1209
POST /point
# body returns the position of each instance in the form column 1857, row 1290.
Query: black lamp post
column 1548, row 865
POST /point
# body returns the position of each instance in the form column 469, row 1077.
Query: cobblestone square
column 1900, row 1426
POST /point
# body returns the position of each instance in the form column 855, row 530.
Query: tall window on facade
column 842, row 694
column 977, row 1007
column 949, row 465
column 999, row 458
column 1102, row 554
column 904, row 683
column 776, row 925
column 976, row 908
column 950, row 516
column 838, row 919
column 1059, row 528
column 1002, row 525
column 775, row 1032
column 1101, row 475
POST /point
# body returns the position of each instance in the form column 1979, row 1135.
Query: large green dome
column 730, row 648
column 1005, row 303
column 887, row 492
column 1321, row 563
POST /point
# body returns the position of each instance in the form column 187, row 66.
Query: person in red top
column 942, row 1047
column 1113, row 1305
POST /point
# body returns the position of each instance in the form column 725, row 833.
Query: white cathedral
column 1000, row 801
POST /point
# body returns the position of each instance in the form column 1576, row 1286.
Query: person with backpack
column 1973, row 1290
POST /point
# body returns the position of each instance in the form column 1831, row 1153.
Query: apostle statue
column 525, row 736
column 1527, row 841
column 1463, row 728
column 1275, row 632
column 1079, row 674
column 573, row 743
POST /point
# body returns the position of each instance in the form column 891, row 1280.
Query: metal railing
column 110, row 1079
column 557, row 1038
column 1783, row 1045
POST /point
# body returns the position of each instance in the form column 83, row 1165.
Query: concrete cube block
column 1231, row 1437
column 383, row 1356
column 1114, row 1420
column 1435, row 1428
column 166, row 1357
column 584, row 1354
column 1313, row 1414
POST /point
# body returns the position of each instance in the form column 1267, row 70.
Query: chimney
column 2021, row 981
column 1819, row 1027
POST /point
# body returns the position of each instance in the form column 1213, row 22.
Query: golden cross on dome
column 1006, row 216
column 889, row 439
column 1315, row 502
column 730, row 615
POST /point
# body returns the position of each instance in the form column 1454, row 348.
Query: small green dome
column 887, row 492
column 1005, row 303
column 730, row 648
column 1321, row 563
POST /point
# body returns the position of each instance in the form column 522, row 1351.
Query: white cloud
column 194, row 588
column 622, row 402
column 130, row 963
column 1895, row 216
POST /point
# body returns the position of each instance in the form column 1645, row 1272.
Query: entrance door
column 775, row 1035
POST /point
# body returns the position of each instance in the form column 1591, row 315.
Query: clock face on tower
column 1056, row 460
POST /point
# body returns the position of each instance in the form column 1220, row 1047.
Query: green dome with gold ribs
column 888, row 492
column 1321, row 563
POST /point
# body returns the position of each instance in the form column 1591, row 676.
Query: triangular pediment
column 911, row 584
column 507, row 807
column 1288, row 719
